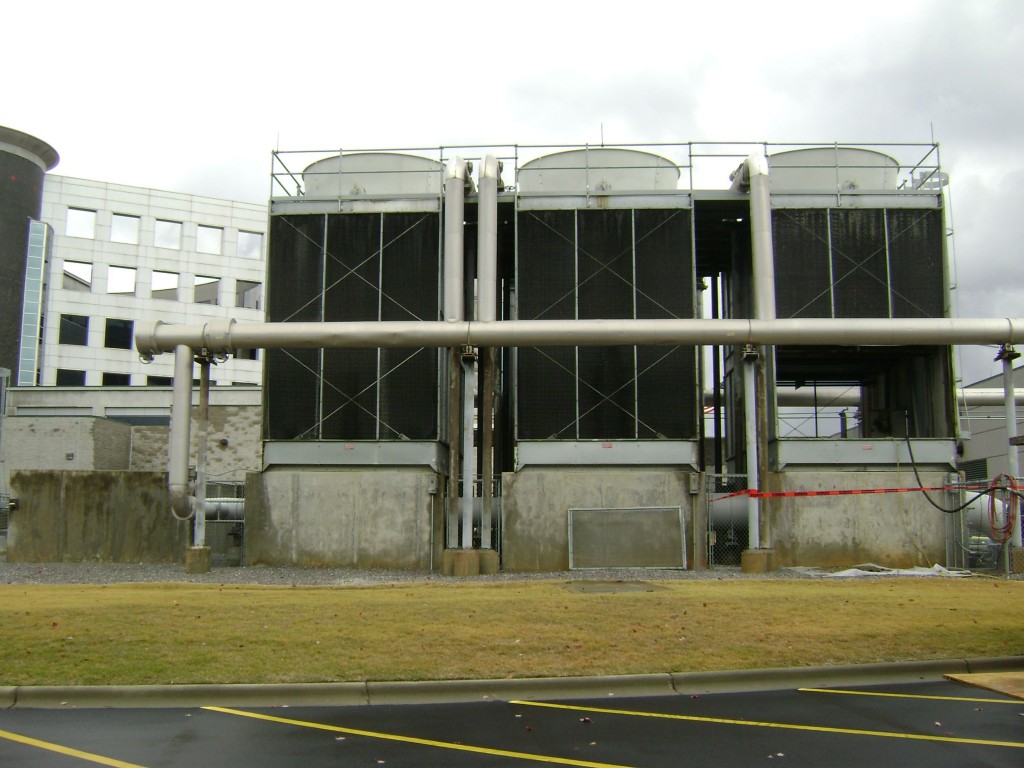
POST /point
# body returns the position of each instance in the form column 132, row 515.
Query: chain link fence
column 728, row 529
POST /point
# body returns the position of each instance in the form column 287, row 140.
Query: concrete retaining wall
column 115, row 517
column 358, row 518
column 536, row 503
column 897, row 530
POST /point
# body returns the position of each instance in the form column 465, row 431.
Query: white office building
column 116, row 255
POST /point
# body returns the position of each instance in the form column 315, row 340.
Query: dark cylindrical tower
column 24, row 160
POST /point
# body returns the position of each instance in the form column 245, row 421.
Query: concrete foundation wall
column 239, row 426
column 536, row 505
column 897, row 530
column 113, row 517
column 343, row 518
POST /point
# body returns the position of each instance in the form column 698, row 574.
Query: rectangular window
column 250, row 245
column 77, row 276
column 206, row 290
column 118, row 334
column 121, row 280
column 248, row 294
column 74, row 329
column 124, row 229
column 69, row 378
column 209, row 239
column 164, row 285
column 159, row 381
column 167, row 234
column 81, row 223
column 117, row 379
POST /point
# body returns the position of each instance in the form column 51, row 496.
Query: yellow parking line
column 911, row 696
column 783, row 726
column 414, row 740
column 67, row 750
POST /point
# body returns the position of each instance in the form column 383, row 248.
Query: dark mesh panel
column 801, row 246
column 859, row 272
column 546, row 275
column 411, row 275
column 666, row 376
column 605, row 266
column 546, row 280
column 916, row 262
column 353, row 267
column 353, row 277
column 350, row 394
column 547, row 393
column 294, row 274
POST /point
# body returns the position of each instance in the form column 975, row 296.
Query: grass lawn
column 173, row 633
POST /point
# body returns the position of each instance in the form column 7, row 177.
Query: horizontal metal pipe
column 831, row 396
column 226, row 336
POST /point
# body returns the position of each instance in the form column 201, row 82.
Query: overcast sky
column 192, row 96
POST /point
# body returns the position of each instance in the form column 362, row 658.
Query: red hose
column 1001, row 533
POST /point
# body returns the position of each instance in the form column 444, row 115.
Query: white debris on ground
column 868, row 570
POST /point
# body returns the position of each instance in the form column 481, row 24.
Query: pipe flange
column 217, row 337
column 145, row 339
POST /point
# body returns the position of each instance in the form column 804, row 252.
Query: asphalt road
column 933, row 723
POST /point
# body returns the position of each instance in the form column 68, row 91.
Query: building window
column 164, row 285
column 69, row 378
column 81, row 223
column 118, row 334
column 209, row 239
column 77, row 276
column 250, row 245
column 124, row 229
column 74, row 329
column 206, row 290
column 159, row 381
column 121, row 280
column 167, row 234
column 117, row 379
column 248, row 294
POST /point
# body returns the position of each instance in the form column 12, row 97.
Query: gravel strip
column 118, row 573
column 289, row 575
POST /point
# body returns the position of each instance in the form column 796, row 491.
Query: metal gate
column 727, row 519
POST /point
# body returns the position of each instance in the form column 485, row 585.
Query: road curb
column 451, row 691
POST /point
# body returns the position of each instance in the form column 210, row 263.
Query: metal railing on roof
column 702, row 165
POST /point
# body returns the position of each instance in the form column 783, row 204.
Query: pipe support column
column 487, row 312
column 1008, row 355
column 750, row 439
column 199, row 522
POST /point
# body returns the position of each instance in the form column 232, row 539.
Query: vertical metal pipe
column 454, row 236
column 454, row 311
column 763, row 258
column 487, row 311
column 468, row 454
column 487, row 241
column 750, row 439
column 761, row 238
column 1012, row 456
column 454, row 443
column 486, row 419
column 199, row 523
column 181, row 421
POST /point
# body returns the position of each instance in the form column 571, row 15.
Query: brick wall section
column 240, row 426
column 65, row 443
